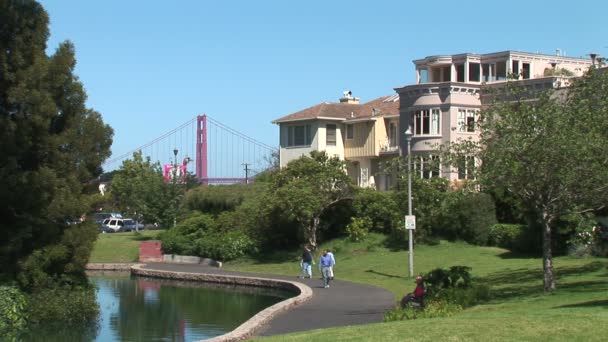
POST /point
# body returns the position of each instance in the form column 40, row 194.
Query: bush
column 467, row 216
column 506, row 235
column 13, row 316
column 358, row 228
column 216, row 199
column 439, row 279
column 428, row 194
column 378, row 208
column 431, row 310
column 225, row 245
column 62, row 263
column 63, row 305
column 182, row 238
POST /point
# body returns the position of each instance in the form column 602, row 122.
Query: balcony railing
column 389, row 146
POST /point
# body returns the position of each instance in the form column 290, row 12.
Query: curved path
column 344, row 303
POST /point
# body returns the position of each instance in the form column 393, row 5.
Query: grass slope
column 120, row 247
column 519, row 310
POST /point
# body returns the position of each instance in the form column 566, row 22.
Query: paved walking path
column 344, row 303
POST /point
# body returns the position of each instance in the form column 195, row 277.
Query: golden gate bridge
column 209, row 149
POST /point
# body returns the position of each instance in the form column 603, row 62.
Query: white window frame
column 427, row 121
column 467, row 120
column 466, row 168
column 423, row 166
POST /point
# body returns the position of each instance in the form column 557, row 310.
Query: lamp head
column 408, row 134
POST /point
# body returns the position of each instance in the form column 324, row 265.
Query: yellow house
column 364, row 135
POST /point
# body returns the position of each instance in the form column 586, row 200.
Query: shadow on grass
column 519, row 255
column 518, row 281
column 385, row 274
column 593, row 303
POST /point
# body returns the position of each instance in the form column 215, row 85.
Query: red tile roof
column 385, row 105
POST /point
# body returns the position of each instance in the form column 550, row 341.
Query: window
column 427, row 166
column 525, row 71
column 426, row 122
column 330, row 135
column 350, row 131
column 489, row 72
column 515, row 66
column 436, row 75
column 501, row 71
column 299, row 135
column 392, row 134
column 474, row 72
column 466, row 120
column 466, row 167
column 424, row 76
column 460, row 73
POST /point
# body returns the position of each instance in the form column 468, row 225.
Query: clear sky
column 149, row 66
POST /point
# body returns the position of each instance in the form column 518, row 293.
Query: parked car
column 101, row 217
column 120, row 225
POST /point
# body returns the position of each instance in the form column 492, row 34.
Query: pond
column 149, row 309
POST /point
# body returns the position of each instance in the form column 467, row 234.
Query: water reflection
column 148, row 309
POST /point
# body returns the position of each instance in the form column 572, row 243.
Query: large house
column 364, row 135
column 443, row 105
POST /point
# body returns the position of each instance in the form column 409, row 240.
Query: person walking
column 307, row 263
column 326, row 262
column 333, row 261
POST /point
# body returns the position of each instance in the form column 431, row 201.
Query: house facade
column 363, row 135
column 444, row 103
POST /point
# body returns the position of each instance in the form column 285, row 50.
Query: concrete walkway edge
column 249, row 328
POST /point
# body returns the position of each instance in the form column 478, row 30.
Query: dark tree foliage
column 309, row 186
column 51, row 146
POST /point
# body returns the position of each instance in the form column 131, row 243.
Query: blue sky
column 149, row 66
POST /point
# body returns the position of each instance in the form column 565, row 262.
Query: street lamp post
column 175, row 151
column 408, row 138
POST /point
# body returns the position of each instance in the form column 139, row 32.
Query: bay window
column 426, row 121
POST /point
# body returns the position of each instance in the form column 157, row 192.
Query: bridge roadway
column 343, row 303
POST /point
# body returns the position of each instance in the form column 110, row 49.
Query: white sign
column 410, row 222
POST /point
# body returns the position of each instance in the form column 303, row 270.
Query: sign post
column 410, row 225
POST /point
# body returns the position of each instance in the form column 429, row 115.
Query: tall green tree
column 140, row 191
column 549, row 151
column 51, row 146
column 307, row 187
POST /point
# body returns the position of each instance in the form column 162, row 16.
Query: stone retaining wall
column 185, row 259
column 109, row 266
column 247, row 329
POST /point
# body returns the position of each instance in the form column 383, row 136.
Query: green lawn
column 519, row 310
column 120, row 247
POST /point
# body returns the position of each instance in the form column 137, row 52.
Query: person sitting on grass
column 417, row 296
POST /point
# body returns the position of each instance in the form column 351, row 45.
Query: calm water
column 148, row 309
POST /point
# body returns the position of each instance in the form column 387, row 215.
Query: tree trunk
column 312, row 231
column 549, row 280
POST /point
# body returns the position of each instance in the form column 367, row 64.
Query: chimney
column 348, row 98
